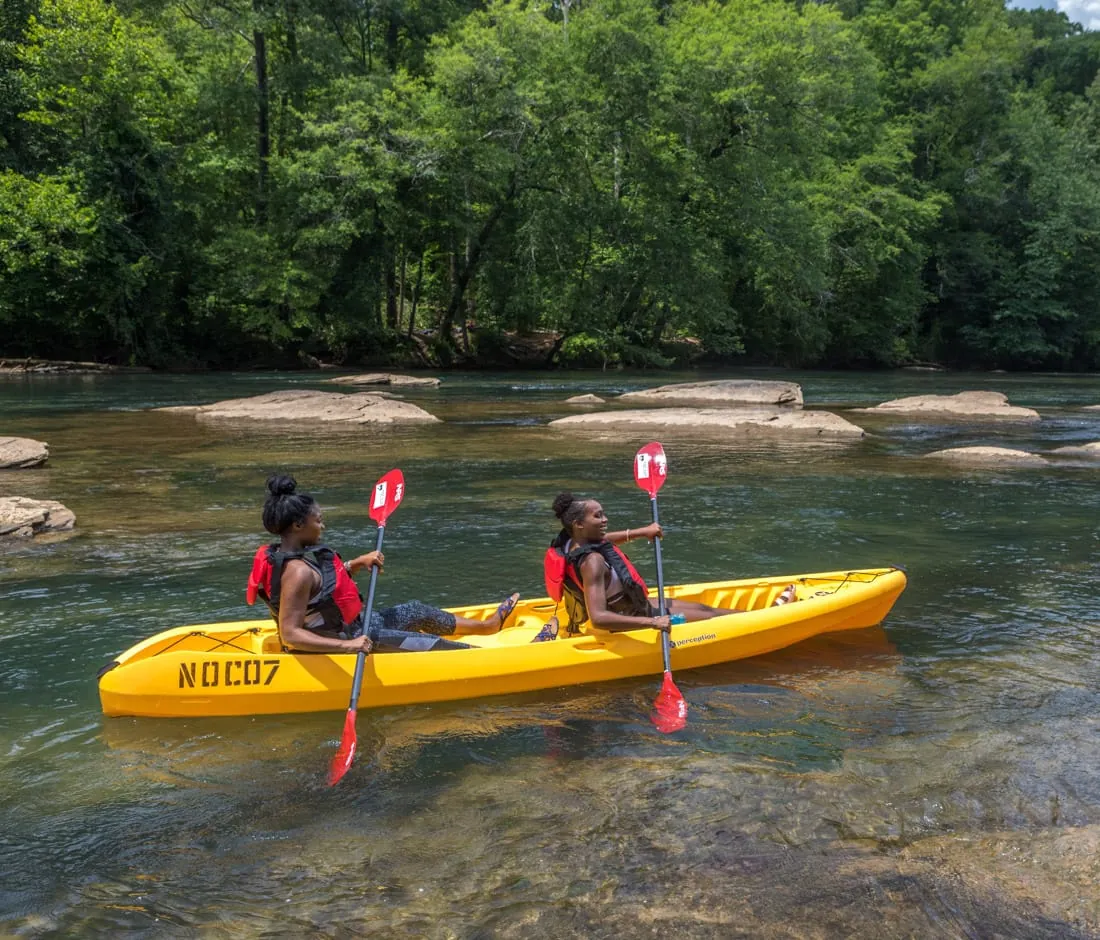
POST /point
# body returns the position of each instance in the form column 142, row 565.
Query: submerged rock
column 20, row 453
column 1055, row 869
column 989, row 456
column 1091, row 449
column 719, row 392
column 585, row 400
column 21, row 517
column 754, row 421
column 308, row 405
column 385, row 378
column 962, row 405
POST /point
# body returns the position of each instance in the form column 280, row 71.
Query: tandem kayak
column 241, row 669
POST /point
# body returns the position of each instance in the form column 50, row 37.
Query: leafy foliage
column 856, row 183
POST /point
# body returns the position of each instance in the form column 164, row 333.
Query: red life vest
column 334, row 608
column 561, row 573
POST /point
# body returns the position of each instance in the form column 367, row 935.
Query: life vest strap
column 337, row 600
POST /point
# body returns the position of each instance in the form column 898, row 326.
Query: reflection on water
column 933, row 777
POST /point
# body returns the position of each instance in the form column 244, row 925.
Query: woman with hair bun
column 315, row 602
column 597, row 579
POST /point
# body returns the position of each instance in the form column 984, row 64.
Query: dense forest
column 856, row 183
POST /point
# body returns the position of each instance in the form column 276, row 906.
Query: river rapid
column 935, row 776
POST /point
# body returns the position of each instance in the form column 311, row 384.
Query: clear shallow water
column 935, row 776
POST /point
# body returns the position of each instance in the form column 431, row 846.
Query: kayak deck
column 240, row 668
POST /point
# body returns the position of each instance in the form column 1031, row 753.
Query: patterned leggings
column 412, row 627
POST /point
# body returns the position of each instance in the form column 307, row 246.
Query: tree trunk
column 291, row 83
column 416, row 293
column 263, row 133
column 401, row 286
column 392, row 26
column 370, row 43
column 556, row 348
column 446, row 319
column 618, row 167
column 391, row 288
column 471, row 309
column 473, row 258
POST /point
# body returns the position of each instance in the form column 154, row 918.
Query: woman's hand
column 360, row 644
column 369, row 560
column 651, row 531
column 664, row 624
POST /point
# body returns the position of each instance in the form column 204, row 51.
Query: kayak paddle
column 388, row 493
column 669, row 708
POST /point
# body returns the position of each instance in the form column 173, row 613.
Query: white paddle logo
column 379, row 496
column 642, row 461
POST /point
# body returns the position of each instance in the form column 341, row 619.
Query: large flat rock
column 719, row 392
column 989, row 456
column 744, row 421
column 965, row 405
column 19, row 453
column 385, row 378
column 308, row 405
column 21, row 517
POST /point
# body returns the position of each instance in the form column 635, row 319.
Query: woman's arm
column 297, row 586
column 651, row 531
column 369, row 560
column 595, row 598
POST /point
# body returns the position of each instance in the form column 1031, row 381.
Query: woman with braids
column 597, row 580
column 315, row 602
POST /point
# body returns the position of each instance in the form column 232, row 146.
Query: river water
column 935, row 776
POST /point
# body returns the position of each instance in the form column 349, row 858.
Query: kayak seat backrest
column 756, row 596
column 271, row 643
column 726, row 599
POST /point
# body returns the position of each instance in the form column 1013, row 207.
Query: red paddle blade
column 341, row 763
column 670, row 710
column 650, row 468
column 388, row 493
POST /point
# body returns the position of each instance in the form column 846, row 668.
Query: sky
column 1085, row 12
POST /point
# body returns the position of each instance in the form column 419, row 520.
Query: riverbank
column 31, row 366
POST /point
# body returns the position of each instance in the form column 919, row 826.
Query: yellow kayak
column 240, row 668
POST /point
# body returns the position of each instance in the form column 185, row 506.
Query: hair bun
column 562, row 502
column 281, row 485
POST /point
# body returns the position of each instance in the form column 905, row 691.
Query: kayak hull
column 240, row 668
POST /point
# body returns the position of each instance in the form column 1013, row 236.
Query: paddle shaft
column 361, row 657
column 660, row 586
